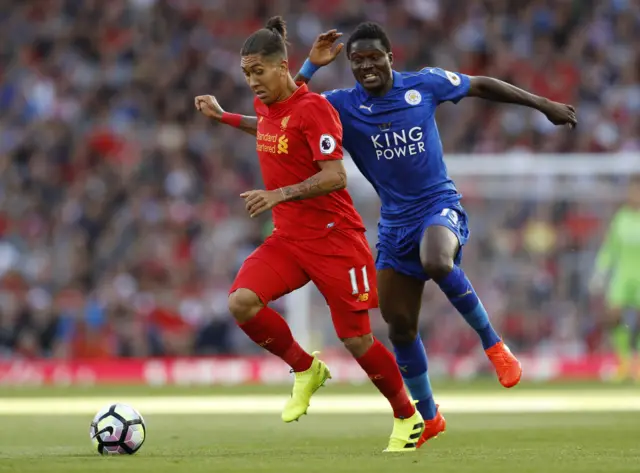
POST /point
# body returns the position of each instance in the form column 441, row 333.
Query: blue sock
column 461, row 294
column 412, row 361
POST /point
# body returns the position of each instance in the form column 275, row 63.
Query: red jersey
column 292, row 136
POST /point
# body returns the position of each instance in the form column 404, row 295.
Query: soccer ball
column 117, row 429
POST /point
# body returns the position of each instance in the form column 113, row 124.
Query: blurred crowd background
column 120, row 223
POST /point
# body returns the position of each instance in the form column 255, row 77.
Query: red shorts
column 340, row 265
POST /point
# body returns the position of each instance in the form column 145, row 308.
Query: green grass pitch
column 328, row 443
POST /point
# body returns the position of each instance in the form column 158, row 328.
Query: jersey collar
column 277, row 107
column 397, row 84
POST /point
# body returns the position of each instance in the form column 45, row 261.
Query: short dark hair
column 272, row 39
column 369, row 30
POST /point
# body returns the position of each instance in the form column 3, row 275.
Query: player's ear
column 284, row 67
column 390, row 56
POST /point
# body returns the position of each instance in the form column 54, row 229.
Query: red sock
column 269, row 330
column 380, row 365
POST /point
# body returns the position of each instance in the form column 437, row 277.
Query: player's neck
column 288, row 91
column 383, row 91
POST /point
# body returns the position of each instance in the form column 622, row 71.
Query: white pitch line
column 351, row 404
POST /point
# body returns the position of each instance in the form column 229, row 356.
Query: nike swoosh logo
column 106, row 429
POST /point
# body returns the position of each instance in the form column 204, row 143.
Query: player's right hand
column 322, row 52
column 208, row 105
column 560, row 113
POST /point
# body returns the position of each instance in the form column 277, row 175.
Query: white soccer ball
column 117, row 429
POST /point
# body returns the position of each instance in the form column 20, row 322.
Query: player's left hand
column 322, row 52
column 560, row 113
column 259, row 201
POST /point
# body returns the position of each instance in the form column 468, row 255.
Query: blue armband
column 308, row 69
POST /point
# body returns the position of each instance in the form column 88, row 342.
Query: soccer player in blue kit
column 391, row 134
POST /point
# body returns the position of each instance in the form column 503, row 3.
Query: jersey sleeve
column 335, row 97
column 445, row 86
column 322, row 129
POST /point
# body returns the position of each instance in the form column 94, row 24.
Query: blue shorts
column 399, row 247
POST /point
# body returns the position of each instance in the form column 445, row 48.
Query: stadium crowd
column 120, row 223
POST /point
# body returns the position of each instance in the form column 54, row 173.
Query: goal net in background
column 536, row 224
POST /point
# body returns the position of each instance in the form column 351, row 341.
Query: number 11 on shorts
column 354, row 281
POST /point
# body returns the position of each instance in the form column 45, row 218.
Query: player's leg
column 634, row 322
column 257, row 284
column 353, row 329
column 617, row 298
column 634, row 340
column 440, row 249
column 269, row 273
column 345, row 276
column 400, row 301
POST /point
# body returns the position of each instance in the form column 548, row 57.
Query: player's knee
column 402, row 334
column 403, row 328
column 358, row 346
column 244, row 304
column 438, row 265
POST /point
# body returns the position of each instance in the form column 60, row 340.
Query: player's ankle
column 404, row 411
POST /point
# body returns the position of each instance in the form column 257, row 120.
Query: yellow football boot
column 406, row 433
column 305, row 385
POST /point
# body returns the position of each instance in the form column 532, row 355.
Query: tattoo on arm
column 342, row 182
column 249, row 125
column 320, row 184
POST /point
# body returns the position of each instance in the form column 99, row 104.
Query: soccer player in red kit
column 318, row 236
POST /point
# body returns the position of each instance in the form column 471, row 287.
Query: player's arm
column 332, row 177
column 323, row 132
column 447, row 86
column 208, row 105
column 322, row 53
column 496, row 90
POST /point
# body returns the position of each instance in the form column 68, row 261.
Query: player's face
column 371, row 64
column 267, row 77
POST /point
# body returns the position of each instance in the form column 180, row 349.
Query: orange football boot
column 432, row 428
column 508, row 368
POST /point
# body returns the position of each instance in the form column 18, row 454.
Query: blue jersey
column 394, row 141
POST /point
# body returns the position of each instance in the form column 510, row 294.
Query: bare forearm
column 498, row 91
column 249, row 125
column 324, row 182
column 300, row 78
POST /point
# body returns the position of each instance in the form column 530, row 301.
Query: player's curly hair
column 268, row 41
column 369, row 30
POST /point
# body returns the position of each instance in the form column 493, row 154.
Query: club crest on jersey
column 327, row 144
column 413, row 97
column 451, row 215
column 453, row 78
column 284, row 123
